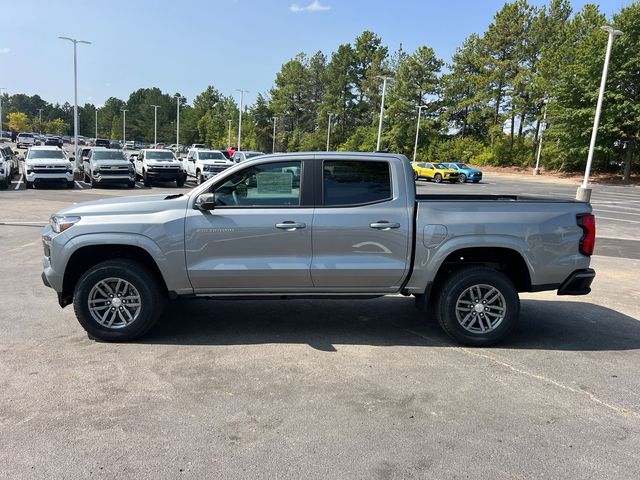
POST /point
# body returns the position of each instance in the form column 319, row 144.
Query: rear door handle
column 290, row 226
column 384, row 225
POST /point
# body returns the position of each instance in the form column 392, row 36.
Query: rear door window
column 355, row 182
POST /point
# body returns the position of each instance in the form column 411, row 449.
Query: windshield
column 160, row 156
column 441, row 166
column 461, row 165
column 253, row 154
column 211, row 156
column 56, row 154
column 109, row 155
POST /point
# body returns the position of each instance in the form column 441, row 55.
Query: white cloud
column 5, row 50
column 314, row 6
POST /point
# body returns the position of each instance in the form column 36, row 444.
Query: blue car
column 465, row 172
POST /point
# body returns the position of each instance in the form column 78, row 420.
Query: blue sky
column 186, row 45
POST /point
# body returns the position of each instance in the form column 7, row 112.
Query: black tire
column 91, row 182
column 476, row 181
column 8, row 178
column 70, row 184
column 145, row 179
column 462, row 178
column 147, row 285
column 28, row 184
column 180, row 182
column 453, row 180
column 4, row 184
column 85, row 177
column 437, row 178
column 131, row 185
column 455, row 288
column 415, row 176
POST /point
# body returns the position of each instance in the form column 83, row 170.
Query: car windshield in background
column 160, row 155
column 109, row 155
column 440, row 166
column 462, row 165
column 251, row 155
column 211, row 156
column 46, row 154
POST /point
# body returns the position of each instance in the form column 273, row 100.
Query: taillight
column 587, row 222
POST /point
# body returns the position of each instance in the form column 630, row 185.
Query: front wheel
column 117, row 300
column 477, row 306
column 415, row 176
column 180, row 182
column 4, row 184
column 145, row 179
column 437, row 178
column 70, row 184
column 462, row 178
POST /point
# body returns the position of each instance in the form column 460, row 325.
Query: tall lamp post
column 75, row 92
column 415, row 146
column 155, row 125
column 329, row 130
column 384, row 90
column 273, row 147
column 543, row 126
column 242, row 92
column 124, row 126
column 229, row 138
column 1, row 88
column 584, row 192
column 97, row 108
column 40, row 119
column 178, row 98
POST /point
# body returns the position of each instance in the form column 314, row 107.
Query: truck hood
column 48, row 161
column 126, row 205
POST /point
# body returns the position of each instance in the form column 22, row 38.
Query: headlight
column 59, row 223
column 69, row 168
column 206, row 168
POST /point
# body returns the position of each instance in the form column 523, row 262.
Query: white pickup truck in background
column 203, row 164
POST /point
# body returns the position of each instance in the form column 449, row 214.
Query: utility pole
column 273, row 148
column 178, row 98
column 124, row 126
column 543, row 126
column 384, row 89
column 229, row 139
column 415, row 146
column 1, row 88
column 96, row 123
column 584, row 192
column 75, row 92
column 242, row 92
column 40, row 120
column 155, row 125
column 329, row 130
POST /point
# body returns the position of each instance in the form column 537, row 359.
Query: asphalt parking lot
column 322, row 389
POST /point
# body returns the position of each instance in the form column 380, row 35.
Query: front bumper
column 578, row 283
column 119, row 178
column 163, row 175
column 49, row 177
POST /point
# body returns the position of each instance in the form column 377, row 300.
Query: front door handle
column 290, row 226
column 384, row 225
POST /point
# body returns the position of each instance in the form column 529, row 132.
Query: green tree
column 18, row 121
column 57, row 126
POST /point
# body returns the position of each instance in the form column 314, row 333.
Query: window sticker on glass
column 274, row 182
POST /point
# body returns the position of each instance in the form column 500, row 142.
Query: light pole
column 75, row 92
column 273, row 147
column 124, row 126
column 40, row 120
column 229, row 138
column 384, row 90
column 415, row 146
column 329, row 130
column 543, row 126
column 242, row 92
column 584, row 192
column 1, row 88
column 97, row 108
column 178, row 98
column 155, row 126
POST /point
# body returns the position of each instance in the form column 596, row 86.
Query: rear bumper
column 578, row 283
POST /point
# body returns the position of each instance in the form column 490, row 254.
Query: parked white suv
column 47, row 164
column 204, row 164
column 103, row 165
column 152, row 164
column 8, row 166
column 26, row 140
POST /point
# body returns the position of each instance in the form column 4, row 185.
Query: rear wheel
column 4, row 184
column 477, row 306
column 415, row 176
column 70, row 184
column 437, row 178
column 117, row 300
column 145, row 179
column 131, row 184
column 462, row 178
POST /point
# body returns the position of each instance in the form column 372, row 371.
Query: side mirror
column 72, row 159
column 206, row 202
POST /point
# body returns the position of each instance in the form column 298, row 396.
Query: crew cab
column 152, row 164
column 47, row 165
column 321, row 225
column 103, row 165
column 8, row 166
column 203, row 164
column 26, row 140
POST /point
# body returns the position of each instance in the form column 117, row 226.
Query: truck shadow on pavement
column 388, row 321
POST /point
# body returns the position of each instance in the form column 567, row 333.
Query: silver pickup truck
column 345, row 225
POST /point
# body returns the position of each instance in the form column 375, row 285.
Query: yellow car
column 434, row 171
